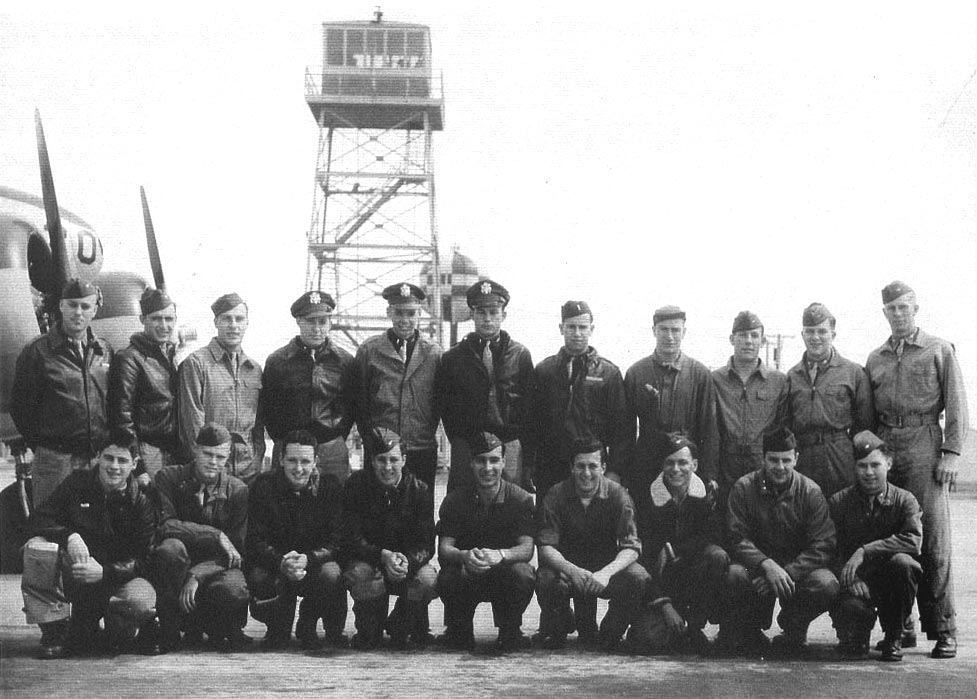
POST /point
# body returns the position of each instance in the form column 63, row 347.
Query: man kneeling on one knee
column 294, row 515
column 680, row 539
column 588, row 549
column 781, row 539
column 880, row 535
column 486, row 542
column 95, row 533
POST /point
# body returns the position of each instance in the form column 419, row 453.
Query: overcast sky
column 733, row 156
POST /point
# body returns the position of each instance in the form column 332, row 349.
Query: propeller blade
column 59, row 253
column 154, row 260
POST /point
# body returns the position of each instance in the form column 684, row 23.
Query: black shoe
column 551, row 641
column 422, row 638
column 149, row 641
column 752, row 644
column 908, row 641
column 853, row 649
column 510, row 641
column 237, row 640
column 306, row 632
column 456, row 640
column 891, row 650
column 399, row 641
column 336, row 639
column 51, row 651
column 789, row 646
column 276, row 639
column 363, row 642
column 588, row 638
column 193, row 638
column 697, row 643
column 945, row 648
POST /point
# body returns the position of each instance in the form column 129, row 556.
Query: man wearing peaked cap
column 485, row 544
column 220, row 383
column 386, row 545
column 669, row 391
column 925, row 454
column 58, row 397
column 392, row 382
column 782, row 540
column 143, row 386
column 203, row 513
column 578, row 395
column 880, row 532
column 750, row 399
column 485, row 383
column 305, row 386
column 829, row 398
column 681, row 544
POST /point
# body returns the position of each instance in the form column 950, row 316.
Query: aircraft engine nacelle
column 84, row 260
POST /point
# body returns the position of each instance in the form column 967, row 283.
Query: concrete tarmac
column 433, row 672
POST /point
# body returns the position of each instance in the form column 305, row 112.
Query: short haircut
column 122, row 442
column 302, row 437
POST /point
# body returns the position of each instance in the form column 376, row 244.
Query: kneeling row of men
column 164, row 566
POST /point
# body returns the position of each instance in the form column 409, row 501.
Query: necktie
column 577, row 368
column 493, row 399
column 402, row 350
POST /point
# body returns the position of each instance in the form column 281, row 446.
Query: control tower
column 377, row 103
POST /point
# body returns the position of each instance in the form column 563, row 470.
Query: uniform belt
column 917, row 420
column 808, row 438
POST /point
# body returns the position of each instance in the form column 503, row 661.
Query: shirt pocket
column 923, row 380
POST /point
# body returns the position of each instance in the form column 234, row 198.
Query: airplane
column 33, row 268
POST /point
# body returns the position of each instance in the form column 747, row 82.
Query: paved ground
column 436, row 673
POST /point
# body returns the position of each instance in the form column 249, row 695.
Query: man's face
column 678, row 468
column 872, row 472
column 404, row 320
column 818, row 339
column 779, row 465
column 901, row 314
column 77, row 314
column 576, row 333
column 115, row 463
column 488, row 468
column 298, row 461
column 669, row 335
column 231, row 326
column 314, row 328
column 209, row 462
column 388, row 467
column 588, row 470
column 488, row 319
column 746, row 344
column 159, row 325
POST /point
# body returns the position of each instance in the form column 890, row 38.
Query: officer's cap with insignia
column 746, row 320
column 572, row 309
column 153, row 300
column 213, row 434
column 484, row 442
column 672, row 442
column 779, row 439
column 380, row 440
column 865, row 442
column 78, row 289
column 226, row 303
column 894, row 290
column 403, row 294
column 313, row 303
column 815, row 314
column 668, row 313
column 486, row 293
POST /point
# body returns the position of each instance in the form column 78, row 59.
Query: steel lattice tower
column 373, row 216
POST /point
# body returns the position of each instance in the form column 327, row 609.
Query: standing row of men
column 67, row 401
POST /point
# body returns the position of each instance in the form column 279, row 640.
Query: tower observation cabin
column 376, row 102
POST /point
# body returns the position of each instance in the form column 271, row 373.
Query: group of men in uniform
column 681, row 495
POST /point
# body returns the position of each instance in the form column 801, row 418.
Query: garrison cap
column 894, row 290
column 572, row 309
column 747, row 320
column 815, row 314
column 404, row 294
column 668, row 313
column 312, row 302
column 486, row 292
column 76, row 288
column 153, row 300
column 484, row 442
column 213, row 435
column 865, row 442
column 226, row 303
column 672, row 442
column 380, row 440
column 779, row 439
